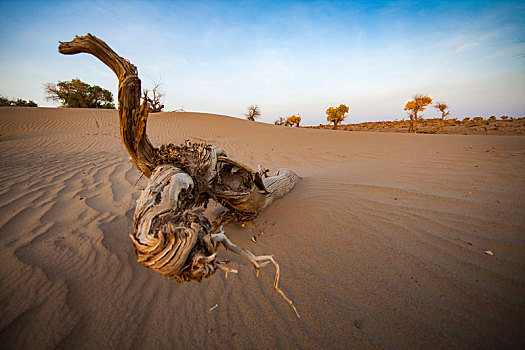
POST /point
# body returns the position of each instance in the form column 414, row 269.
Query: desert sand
column 386, row 241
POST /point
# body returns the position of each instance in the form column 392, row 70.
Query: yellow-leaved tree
column 293, row 120
column 336, row 115
column 419, row 104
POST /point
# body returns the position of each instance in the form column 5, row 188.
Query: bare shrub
column 253, row 113
column 280, row 121
column 155, row 103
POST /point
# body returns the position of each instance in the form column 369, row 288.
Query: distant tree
column 504, row 117
column 465, row 120
column 4, row 102
column 414, row 107
column 443, row 108
column 336, row 115
column 293, row 120
column 493, row 118
column 253, row 113
column 77, row 94
column 23, row 103
column 280, row 121
column 155, row 104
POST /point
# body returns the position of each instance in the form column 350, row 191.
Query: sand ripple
column 381, row 244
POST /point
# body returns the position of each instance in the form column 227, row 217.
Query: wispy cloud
column 295, row 56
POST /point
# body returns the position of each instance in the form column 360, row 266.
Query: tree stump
column 171, row 234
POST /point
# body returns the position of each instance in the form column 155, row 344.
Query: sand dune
column 381, row 244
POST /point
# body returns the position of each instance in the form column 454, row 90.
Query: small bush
column 280, row 121
column 4, row 102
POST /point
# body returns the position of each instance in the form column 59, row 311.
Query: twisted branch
column 132, row 115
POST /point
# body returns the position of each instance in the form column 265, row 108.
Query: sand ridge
column 381, row 244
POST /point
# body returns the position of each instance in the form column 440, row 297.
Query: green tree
column 336, row 115
column 17, row 103
column 77, row 94
column 419, row 104
column 4, row 101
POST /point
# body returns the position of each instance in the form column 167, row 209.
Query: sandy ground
column 381, row 244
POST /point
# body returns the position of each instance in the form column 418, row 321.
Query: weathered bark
column 413, row 122
column 171, row 235
column 132, row 115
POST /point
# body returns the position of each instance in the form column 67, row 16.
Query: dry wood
column 132, row 115
column 171, row 235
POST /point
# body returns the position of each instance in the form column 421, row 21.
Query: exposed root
column 226, row 269
column 257, row 261
column 276, row 281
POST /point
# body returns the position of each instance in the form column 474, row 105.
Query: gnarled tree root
column 178, row 243
column 171, row 234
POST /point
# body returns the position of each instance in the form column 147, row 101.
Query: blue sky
column 288, row 57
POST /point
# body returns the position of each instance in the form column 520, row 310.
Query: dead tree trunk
column 171, row 235
column 132, row 115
